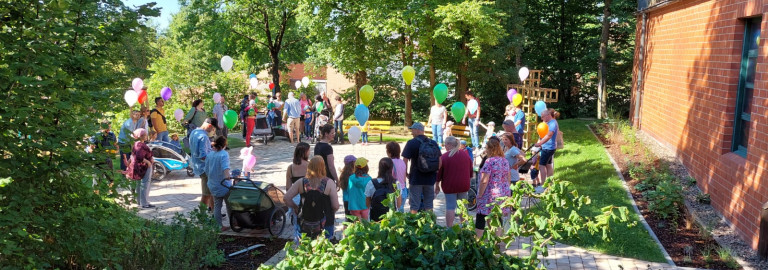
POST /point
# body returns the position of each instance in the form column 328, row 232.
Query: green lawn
column 585, row 163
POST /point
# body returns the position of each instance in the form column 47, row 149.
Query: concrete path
column 180, row 194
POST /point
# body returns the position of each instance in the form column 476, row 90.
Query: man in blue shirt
column 293, row 113
column 548, row 145
column 422, row 185
column 200, row 146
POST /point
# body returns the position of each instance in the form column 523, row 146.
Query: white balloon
column 523, row 73
column 131, row 97
column 178, row 114
column 216, row 97
column 254, row 83
column 354, row 134
column 297, row 84
column 305, row 81
column 472, row 106
column 226, row 63
column 137, row 84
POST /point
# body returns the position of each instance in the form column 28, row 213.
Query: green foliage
column 726, row 256
column 691, row 181
column 665, row 200
column 703, row 198
column 380, row 245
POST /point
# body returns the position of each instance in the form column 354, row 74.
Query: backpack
column 378, row 208
column 313, row 209
column 429, row 156
column 149, row 119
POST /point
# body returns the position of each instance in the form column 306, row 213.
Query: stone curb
column 634, row 205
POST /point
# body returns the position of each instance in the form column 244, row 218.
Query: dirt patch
column 251, row 259
column 687, row 243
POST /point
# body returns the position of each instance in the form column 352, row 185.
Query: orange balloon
column 542, row 129
column 142, row 96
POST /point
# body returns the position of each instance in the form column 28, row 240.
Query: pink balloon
column 166, row 93
column 137, row 84
column 216, row 97
column 511, row 94
column 249, row 160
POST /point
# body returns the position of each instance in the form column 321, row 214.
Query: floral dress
column 498, row 185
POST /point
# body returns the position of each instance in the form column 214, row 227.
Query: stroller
column 168, row 158
column 255, row 205
column 320, row 121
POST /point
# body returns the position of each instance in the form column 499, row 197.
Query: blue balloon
column 361, row 113
column 540, row 107
column 252, row 76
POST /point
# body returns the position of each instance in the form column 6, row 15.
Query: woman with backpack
column 377, row 190
column 319, row 199
column 140, row 167
column 356, row 189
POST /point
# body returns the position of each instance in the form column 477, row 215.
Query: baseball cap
column 361, row 162
column 349, row 159
column 463, row 142
column 212, row 121
column 417, row 125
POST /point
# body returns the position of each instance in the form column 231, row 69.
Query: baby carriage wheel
column 190, row 171
column 233, row 223
column 471, row 199
column 277, row 222
column 158, row 171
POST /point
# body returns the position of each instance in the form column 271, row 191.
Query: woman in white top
column 437, row 118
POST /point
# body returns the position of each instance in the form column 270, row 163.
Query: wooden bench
column 459, row 131
column 375, row 126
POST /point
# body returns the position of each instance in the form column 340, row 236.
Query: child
column 535, row 173
column 308, row 121
column 377, row 190
column 175, row 140
column 322, row 119
column 489, row 131
column 346, row 172
column 250, row 121
column 152, row 136
column 364, row 129
column 398, row 170
column 447, row 130
column 356, row 189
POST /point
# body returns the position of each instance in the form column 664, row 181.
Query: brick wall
column 688, row 95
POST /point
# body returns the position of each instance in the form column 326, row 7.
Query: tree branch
column 250, row 38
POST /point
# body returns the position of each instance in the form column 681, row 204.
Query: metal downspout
column 641, row 58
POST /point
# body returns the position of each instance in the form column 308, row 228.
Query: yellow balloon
column 366, row 94
column 517, row 99
column 408, row 74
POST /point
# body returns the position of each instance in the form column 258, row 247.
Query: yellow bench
column 459, row 131
column 375, row 126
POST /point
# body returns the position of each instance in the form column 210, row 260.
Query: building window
column 746, row 86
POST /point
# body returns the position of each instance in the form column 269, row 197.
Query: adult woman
column 217, row 169
column 303, row 102
column 513, row 155
column 493, row 184
column 324, row 149
column 548, row 144
column 453, row 176
column 250, row 121
column 437, row 118
column 142, row 163
column 318, row 193
column 195, row 116
column 338, row 119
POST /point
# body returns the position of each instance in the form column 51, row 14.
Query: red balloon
column 271, row 86
column 142, row 96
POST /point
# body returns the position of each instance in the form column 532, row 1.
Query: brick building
column 324, row 78
column 701, row 89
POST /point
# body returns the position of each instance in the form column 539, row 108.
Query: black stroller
column 255, row 205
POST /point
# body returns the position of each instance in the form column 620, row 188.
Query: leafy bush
column 703, row 198
column 665, row 200
column 404, row 240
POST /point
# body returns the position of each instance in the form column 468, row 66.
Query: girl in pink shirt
column 393, row 152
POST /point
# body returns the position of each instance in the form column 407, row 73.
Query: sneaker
column 539, row 190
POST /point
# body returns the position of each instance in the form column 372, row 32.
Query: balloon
column 539, row 107
column 457, row 109
column 142, row 96
column 166, row 93
column 251, row 112
column 230, row 118
column 320, row 107
column 523, row 73
column 542, row 129
column 305, row 81
column 361, row 114
column 137, row 84
column 441, row 92
column 408, row 73
column 226, row 63
column 249, row 160
column 271, row 86
column 517, row 99
column 297, row 84
column 178, row 114
column 216, row 97
column 254, row 82
column 366, row 94
column 252, row 76
column 511, row 94
column 472, row 106
column 131, row 97
column 354, row 134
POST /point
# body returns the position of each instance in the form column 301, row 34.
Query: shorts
column 480, row 221
column 452, row 198
column 294, row 125
column 362, row 214
column 204, row 182
column 415, row 197
column 546, row 157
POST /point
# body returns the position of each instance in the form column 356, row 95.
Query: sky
column 168, row 8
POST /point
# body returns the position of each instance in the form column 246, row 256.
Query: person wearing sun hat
column 356, row 189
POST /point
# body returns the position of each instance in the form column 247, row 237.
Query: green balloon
column 251, row 112
column 320, row 106
column 270, row 106
column 457, row 109
column 441, row 92
column 230, row 118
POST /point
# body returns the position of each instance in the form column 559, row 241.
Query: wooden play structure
column 531, row 91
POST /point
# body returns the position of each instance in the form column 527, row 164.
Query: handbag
column 559, row 140
column 187, row 125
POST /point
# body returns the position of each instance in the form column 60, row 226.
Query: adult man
column 123, row 139
column 157, row 117
column 338, row 119
column 218, row 113
column 422, row 184
column 473, row 118
column 200, row 146
column 293, row 115
column 105, row 143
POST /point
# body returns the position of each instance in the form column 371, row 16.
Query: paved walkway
column 180, row 194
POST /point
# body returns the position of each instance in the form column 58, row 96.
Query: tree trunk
column 275, row 70
column 361, row 78
column 462, row 82
column 601, row 64
column 432, row 81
